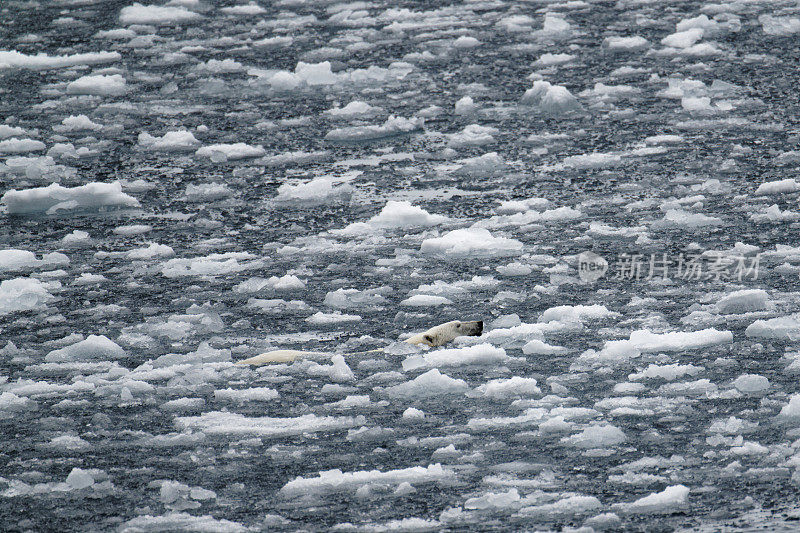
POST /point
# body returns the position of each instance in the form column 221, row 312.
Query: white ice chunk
column 392, row 127
column 480, row 354
column 152, row 14
column 515, row 387
column 551, row 99
column 79, row 123
column 225, row 423
column 23, row 294
column 171, row 141
column 780, row 26
column 751, row 383
column 99, row 85
column 625, row 44
column 14, row 260
column 20, row 146
column 471, row 242
column 14, row 59
column 787, row 185
column 211, row 265
column 394, row 215
column 319, row 318
column 55, row 198
column 93, row 348
column 597, row 436
column 260, row 394
column 287, row 282
column 430, row 384
column 320, row 190
column 780, row 328
column 79, row 479
column 332, row 481
column 671, row 500
column 230, row 152
column 743, row 301
column 181, row 522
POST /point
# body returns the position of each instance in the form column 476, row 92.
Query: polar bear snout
column 472, row 329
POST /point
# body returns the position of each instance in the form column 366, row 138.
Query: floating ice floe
column 332, row 481
column 779, row 26
column 55, row 198
column 99, row 85
column 14, row 59
column 225, row 423
column 180, row 521
column 207, row 192
column 666, row 372
column 93, row 348
column 425, row 300
column 353, row 298
column 355, row 109
column 515, row 387
column 597, row 436
column 152, row 14
column 576, row 313
column 551, row 99
column 216, row 66
column 548, row 59
column 640, row 341
column 12, row 260
column 481, row 354
column 21, row 146
column 672, row 499
column 78, row 123
column 679, row 218
column 473, row 135
column 317, row 191
column 471, row 242
column 625, row 44
column 211, row 265
column 788, row 185
column 287, row 282
column 230, row 152
column 490, row 164
column 593, row 161
column 394, row 215
column 751, row 383
column 743, row 301
column 780, row 328
column 392, row 127
column 260, row 394
column 321, row 319
column 571, row 506
column 25, row 294
column 431, row 383
column 171, row 141
column 319, row 75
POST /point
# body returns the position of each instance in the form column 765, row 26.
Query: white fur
column 436, row 336
column 444, row 333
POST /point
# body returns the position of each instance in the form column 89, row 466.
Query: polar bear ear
column 428, row 339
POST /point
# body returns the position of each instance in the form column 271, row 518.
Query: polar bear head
column 444, row 333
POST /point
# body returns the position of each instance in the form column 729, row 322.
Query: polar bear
column 444, row 333
column 436, row 336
